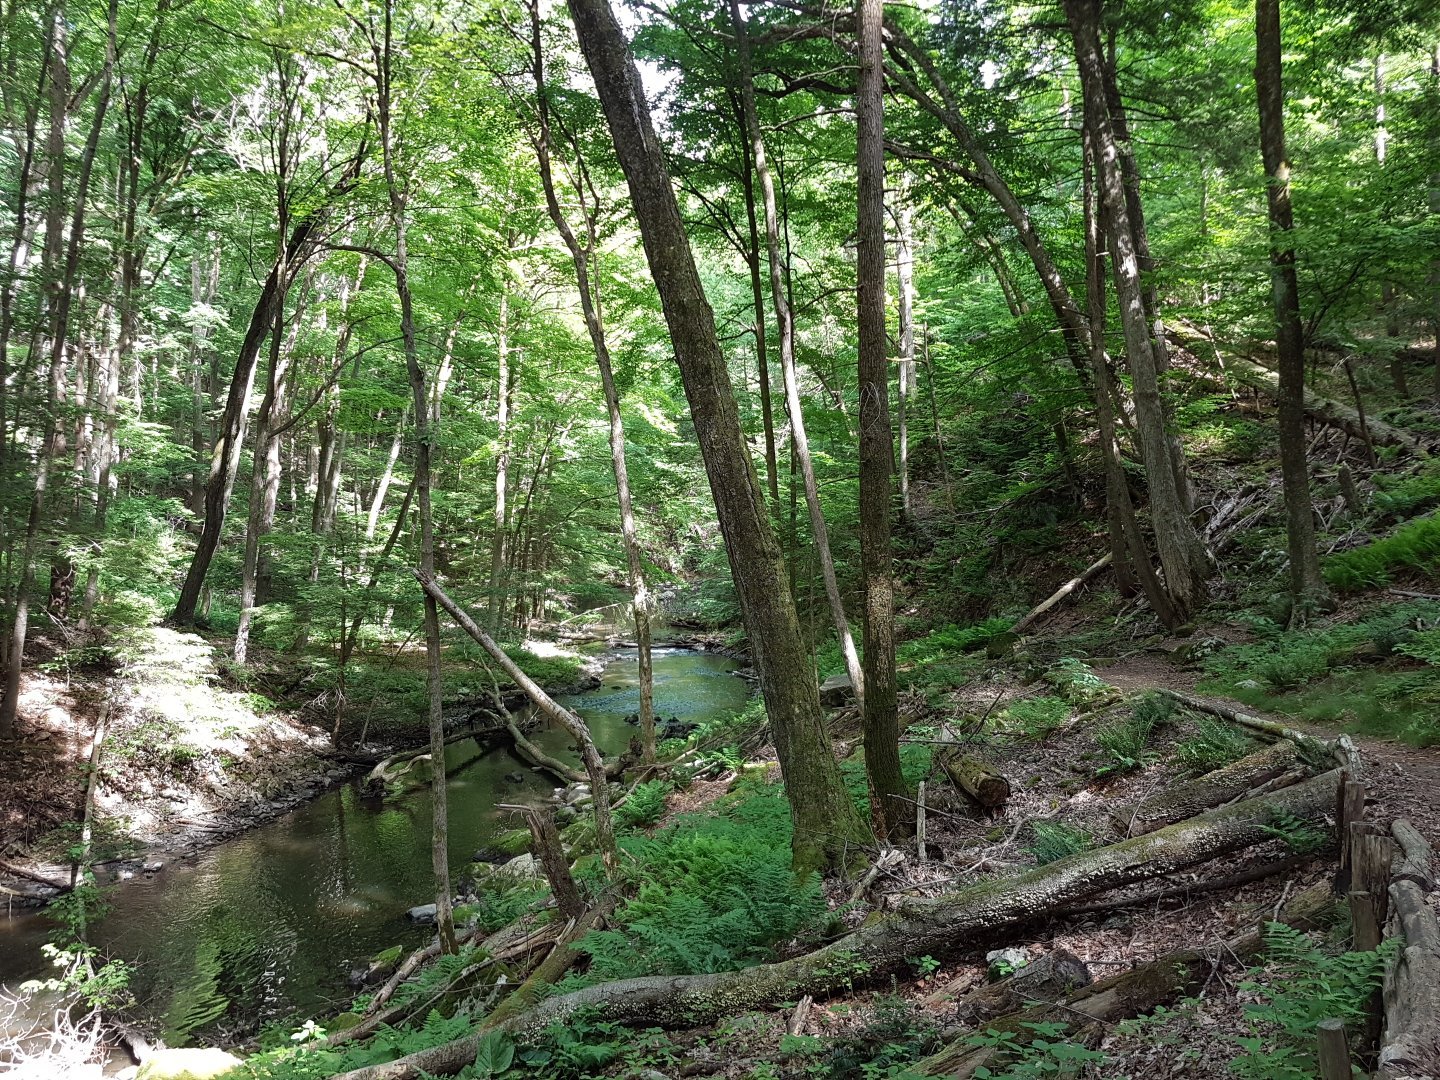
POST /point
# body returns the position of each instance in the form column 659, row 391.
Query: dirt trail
column 1404, row 781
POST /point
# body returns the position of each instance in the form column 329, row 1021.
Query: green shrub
column 1404, row 496
column 1075, row 681
column 645, row 806
column 1301, row 986
column 1414, row 546
column 1125, row 741
column 1214, row 745
column 1037, row 717
column 715, row 893
column 1055, row 840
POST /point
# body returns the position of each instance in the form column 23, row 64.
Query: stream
column 271, row 922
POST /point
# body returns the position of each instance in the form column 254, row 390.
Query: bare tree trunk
column 762, row 350
column 825, row 819
column 905, row 271
column 52, row 444
column 1307, row 588
column 794, row 408
column 590, row 308
column 892, row 814
column 1182, row 554
column 502, row 457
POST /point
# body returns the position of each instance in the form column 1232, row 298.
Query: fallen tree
column 916, row 927
column 976, row 778
column 1215, row 788
column 1130, row 993
column 1256, row 376
column 1410, row 1045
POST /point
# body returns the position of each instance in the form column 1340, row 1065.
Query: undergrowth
column 1414, row 547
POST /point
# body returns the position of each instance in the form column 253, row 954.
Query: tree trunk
column 794, row 407
column 502, row 457
column 892, row 809
column 63, row 295
column 905, row 267
column 1308, row 591
column 1215, row 788
column 825, row 819
column 1182, row 555
column 762, row 351
column 590, row 308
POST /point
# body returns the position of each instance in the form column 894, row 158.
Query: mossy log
column 1410, row 1044
column 1215, row 788
column 915, row 928
column 1308, row 745
column 1130, row 993
column 974, row 777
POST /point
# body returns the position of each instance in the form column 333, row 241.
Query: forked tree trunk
column 893, row 811
column 785, row 319
column 826, row 822
column 1182, row 554
column 1308, row 590
column 590, row 308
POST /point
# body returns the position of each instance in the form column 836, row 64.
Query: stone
column 188, row 1063
column 422, row 913
column 1006, row 961
column 153, row 866
column 836, row 691
column 514, row 778
column 521, row 866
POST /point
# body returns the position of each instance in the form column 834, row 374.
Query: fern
column 645, row 806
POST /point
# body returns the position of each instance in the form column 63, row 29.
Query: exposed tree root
column 917, row 927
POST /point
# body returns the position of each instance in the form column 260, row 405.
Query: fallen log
column 1309, row 746
column 1410, row 1044
column 916, row 927
column 31, row 875
column 1327, row 411
column 1062, row 592
column 1051, row 977
column 1187, row 889
column 1215, row 788
column 537, row 757
column 589, row 754
column 1130, row 993
column 1412, row 856
column 974, row 777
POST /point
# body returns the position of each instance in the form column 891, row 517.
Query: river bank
column 275, row 920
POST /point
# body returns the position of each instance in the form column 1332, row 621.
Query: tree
column 825, row 820
column 1308, row 591
column 882, row 728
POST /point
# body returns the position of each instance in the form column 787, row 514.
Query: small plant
column 1303, row 986
column 1214, row 745
column 1300, row 836
column 1036, row 718
column 1075, row 681
column 1414, row 546
column 1042, row 1054
column 1124, row 743
column 645, row 806
column 1055, row 840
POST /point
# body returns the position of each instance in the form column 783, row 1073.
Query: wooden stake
column 1334, row 1053
column 920, row 821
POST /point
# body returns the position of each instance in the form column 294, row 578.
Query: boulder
column 421, row 913
column 836, row 691
column 188, row 1063
column 522, row 866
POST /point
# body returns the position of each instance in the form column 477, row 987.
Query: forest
column 761, row 538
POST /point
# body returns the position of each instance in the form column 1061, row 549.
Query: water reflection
column 271, row 922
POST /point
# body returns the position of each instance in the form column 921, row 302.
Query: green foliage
column 1300, row 836
column 1413, row 547
column 1214, row 745
column 1300, row 986
column 308, row 1059
column 1036, row 717
column 950, row 639
column 1054, row 840
column 1076, row 682
column 714, row 892
column 1125, row 743
column 495, row 1054
column 645, row 806
column 1039, row 1052
column 1407, row 495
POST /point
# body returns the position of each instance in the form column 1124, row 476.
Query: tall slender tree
column 826, row 823
column 1308, row 590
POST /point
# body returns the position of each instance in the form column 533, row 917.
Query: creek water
column 271, row 923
